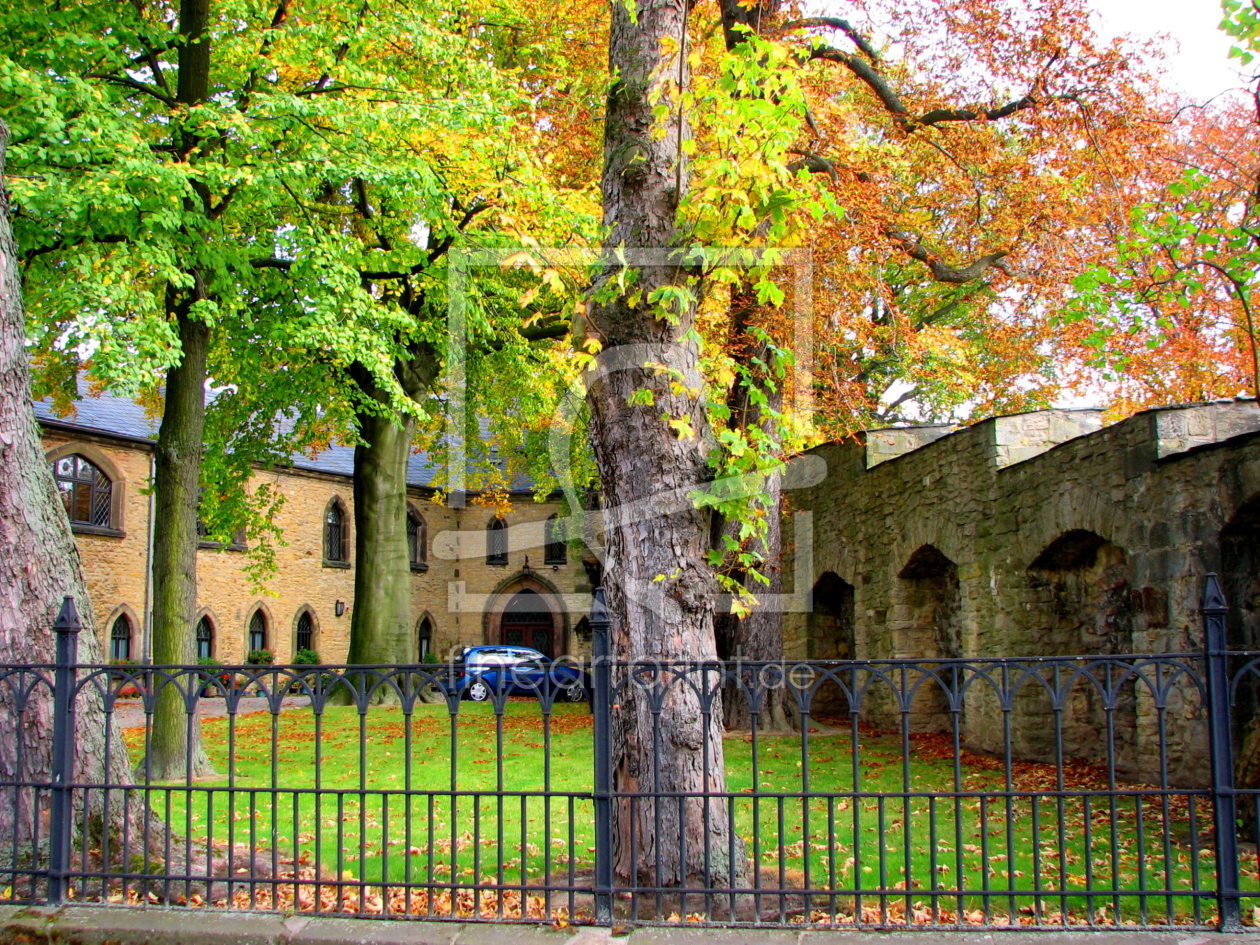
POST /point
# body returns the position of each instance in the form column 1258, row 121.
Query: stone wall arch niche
column 830, row 635
column 924, row 624
column 1080, row 602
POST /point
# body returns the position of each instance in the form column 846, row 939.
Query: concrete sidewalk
column 94, row 925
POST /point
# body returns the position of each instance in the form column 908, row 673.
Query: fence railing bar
column 601, row 697
column 61, row 801
column 1224, row 808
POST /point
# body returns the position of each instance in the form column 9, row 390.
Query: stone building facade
column 477, row 577
column 1034, row 535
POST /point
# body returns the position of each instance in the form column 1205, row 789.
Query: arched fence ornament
column 908, row 792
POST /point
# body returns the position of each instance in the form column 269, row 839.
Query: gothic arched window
column 555, row 551
column 86, row 492
column 120, row 638
column 496, row 541
column 257, row 631
column 304, row 633
column 417, row 541
column 336, row 535
column 205, row 638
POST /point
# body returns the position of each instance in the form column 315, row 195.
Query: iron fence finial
column 1214, row 601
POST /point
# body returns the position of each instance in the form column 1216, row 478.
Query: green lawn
column 870, row 851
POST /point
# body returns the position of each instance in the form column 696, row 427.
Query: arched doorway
column 527, row 621
column 527, row 611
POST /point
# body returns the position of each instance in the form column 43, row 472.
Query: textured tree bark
column 39, row 565
column 661, row 590
column 380, row 626
column 380, row 622
column 175, row 747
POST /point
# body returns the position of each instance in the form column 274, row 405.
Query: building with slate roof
column 476, row 577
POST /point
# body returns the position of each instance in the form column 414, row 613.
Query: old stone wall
column 1035, row 535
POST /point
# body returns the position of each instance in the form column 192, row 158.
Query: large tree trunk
column 380, row 622
column 380, row 625
column 175, row 751
column 661, row 589
column 39, row 565
column 175, row 747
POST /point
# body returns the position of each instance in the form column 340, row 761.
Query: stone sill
column 105, row 531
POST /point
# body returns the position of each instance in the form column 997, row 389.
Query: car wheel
column 574, row 692
column 479, row 691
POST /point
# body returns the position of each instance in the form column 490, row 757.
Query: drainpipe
column 458, row 507
column 147, row 646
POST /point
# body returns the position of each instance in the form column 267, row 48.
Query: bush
column 430, row 659
column 260, row 658
column 306, row 657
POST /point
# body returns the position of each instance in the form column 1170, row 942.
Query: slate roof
column 102, row 414
column 108, row 415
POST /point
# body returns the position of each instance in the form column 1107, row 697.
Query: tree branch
column 941, row 271
column 135, row 84
column 32, row 254
column 546, row 330
column 939, row 116
column 440, row 249
column 339, row 56
column 815, row 164
column 834, row 23
column 867, row 73
column 152, row 54
column 947, row 309
column 272, row 262
column 278, row 19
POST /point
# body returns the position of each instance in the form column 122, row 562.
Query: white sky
column 1197, row 62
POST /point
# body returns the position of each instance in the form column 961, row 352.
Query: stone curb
column 95, row 925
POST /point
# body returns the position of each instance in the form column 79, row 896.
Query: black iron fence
column 1049, row 792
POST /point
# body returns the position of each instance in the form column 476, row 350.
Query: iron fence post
column 1225, row 819
column 61, row 810
column 601, row 699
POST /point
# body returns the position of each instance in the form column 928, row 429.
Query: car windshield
column 491, row 659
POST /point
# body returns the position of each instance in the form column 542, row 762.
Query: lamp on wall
column 339, row 608
column 525, row 568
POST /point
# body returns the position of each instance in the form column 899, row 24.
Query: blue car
column 483, row 671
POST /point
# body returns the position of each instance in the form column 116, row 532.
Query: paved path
column 95, row 925
column 129, row 713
